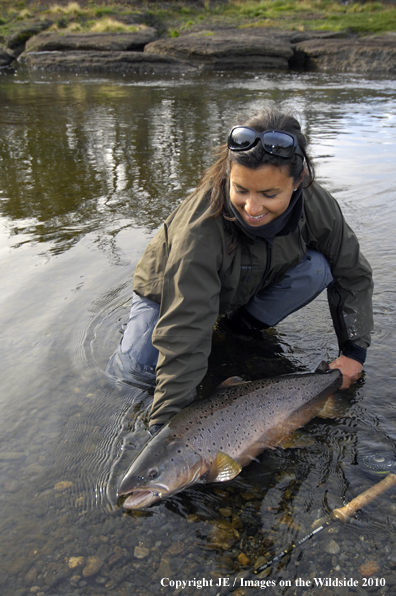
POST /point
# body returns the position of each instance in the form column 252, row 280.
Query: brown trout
column 212, row 439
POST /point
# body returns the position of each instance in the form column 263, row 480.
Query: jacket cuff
column 351, row 350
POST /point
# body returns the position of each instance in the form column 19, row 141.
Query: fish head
column 165, row 466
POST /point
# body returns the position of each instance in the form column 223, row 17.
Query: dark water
column 89, row 168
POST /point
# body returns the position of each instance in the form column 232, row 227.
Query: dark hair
column 215, row 179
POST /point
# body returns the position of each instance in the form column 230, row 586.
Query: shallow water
column 89, row 168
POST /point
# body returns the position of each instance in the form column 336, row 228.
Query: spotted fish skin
column 235, row 419
column 214, row 437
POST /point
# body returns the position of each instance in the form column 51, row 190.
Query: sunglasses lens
column 275, row 142
column 241, row 138
column 278, row 143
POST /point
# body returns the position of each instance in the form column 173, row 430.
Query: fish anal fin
column 231, row 382
column 223, row 468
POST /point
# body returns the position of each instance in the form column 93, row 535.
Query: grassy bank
column 174, row 18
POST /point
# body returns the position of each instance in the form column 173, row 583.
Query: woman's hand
column 351, row 370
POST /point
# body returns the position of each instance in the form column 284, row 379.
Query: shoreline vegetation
column 172, row 19
column 290, row 21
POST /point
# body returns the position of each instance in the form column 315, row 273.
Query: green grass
column 174, row 18
column 359, row 18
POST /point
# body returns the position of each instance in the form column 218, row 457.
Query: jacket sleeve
column 350, row 296
column 189, row 310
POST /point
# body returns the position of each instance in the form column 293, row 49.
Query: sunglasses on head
column 276, row 142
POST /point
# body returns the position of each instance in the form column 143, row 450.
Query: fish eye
column 153, row 473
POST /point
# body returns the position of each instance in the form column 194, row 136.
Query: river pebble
column 390, row 580
column 176, row 548
column 141, row 552
column 223, row 537
column 12, row 486
column 243, row 559
column 63, row 485
column 116, row 557
column 164, row 569
column 93, row 566
column 31, row 575
column 76, row 562
column 225, row 512
column 369, row 568
column 331, row 547
column 11, row 455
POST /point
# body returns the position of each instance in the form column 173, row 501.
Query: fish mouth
column 140, row 498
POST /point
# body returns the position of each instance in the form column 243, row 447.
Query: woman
column 257, row 240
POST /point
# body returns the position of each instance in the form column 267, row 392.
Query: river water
column 89, row 168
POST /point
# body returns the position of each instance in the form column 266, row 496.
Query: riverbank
column 144, row 51
column 95, row 37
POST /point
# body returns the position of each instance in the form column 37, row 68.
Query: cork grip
column 344, row 513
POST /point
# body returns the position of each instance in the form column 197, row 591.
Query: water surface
column 89, row 168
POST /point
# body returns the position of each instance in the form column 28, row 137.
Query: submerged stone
column 76, row 562
column 243, row 559
column 93, row 566
column 63, row 485
column 141, row 552
column 332, row 547
column 369, row 568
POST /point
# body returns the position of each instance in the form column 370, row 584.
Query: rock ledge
column 227, row 49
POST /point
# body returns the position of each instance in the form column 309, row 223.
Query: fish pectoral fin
column 232, row 381
column 329, row 409
column 223, row 468
column 334, row 407
column 297, row 440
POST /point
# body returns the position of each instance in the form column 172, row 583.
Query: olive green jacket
column 191, row 270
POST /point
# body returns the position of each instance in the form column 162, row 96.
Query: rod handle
column 344, row 513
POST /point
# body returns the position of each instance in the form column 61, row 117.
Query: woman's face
column 260, row 195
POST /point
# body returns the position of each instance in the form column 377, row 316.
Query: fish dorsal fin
column 231, row 381
column 223, row 468
column 323, row 367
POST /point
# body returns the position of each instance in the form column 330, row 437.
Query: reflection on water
column 89, row 169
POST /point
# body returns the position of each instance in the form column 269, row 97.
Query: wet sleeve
column 189, row 310
column 350, row 296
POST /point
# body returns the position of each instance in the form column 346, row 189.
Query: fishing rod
column 343, row 514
